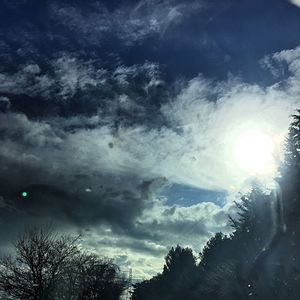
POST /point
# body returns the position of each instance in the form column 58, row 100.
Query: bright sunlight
column 254, row 153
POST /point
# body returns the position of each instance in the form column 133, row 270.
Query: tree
column 210, row 254
column 179, row 260
column 47, row 266
column 37, row 266
column 89, row 277
column 290, row 174
column 149, row 289
column 176, row 280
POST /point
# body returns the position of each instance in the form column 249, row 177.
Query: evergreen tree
column 290, row 175
column 176, row 280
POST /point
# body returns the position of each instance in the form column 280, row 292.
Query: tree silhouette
column 276, row 271
column 290, row 174
column 38, row 265
column 176, row 280
column 87, row 277
column 47, row 266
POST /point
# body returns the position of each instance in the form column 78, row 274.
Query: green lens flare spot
column 24, row 194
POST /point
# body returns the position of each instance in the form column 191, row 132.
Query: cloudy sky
column 121, row 119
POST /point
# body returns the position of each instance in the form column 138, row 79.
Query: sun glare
column 254, row 153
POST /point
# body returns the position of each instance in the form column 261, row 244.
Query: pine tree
column 176, row 280
column 290, row 175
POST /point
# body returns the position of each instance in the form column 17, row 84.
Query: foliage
column 176, row 280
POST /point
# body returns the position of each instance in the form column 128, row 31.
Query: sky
column 121, row 119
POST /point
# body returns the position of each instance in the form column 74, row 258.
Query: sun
column 254, row 153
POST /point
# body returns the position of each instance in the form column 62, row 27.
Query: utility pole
column 129, row 294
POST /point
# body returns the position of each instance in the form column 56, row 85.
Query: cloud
column 47, row 162
column 295, row 2
column 68, row 86
column 129, row 23
column 4, row 104
column 158, row 229
column 68, row 75
column 103, row 144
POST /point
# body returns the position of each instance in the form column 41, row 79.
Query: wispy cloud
column 130, row 23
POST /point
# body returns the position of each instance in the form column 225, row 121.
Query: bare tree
column 47, row 266
column 37, row 266
column 89, row 277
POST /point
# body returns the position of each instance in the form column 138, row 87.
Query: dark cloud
column 61, row 186
column 59, row 190
column 4, row 104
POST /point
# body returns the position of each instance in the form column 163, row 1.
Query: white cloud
column 67, row 75
column 32, row 69
column 209, row 128
column 295, row 2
